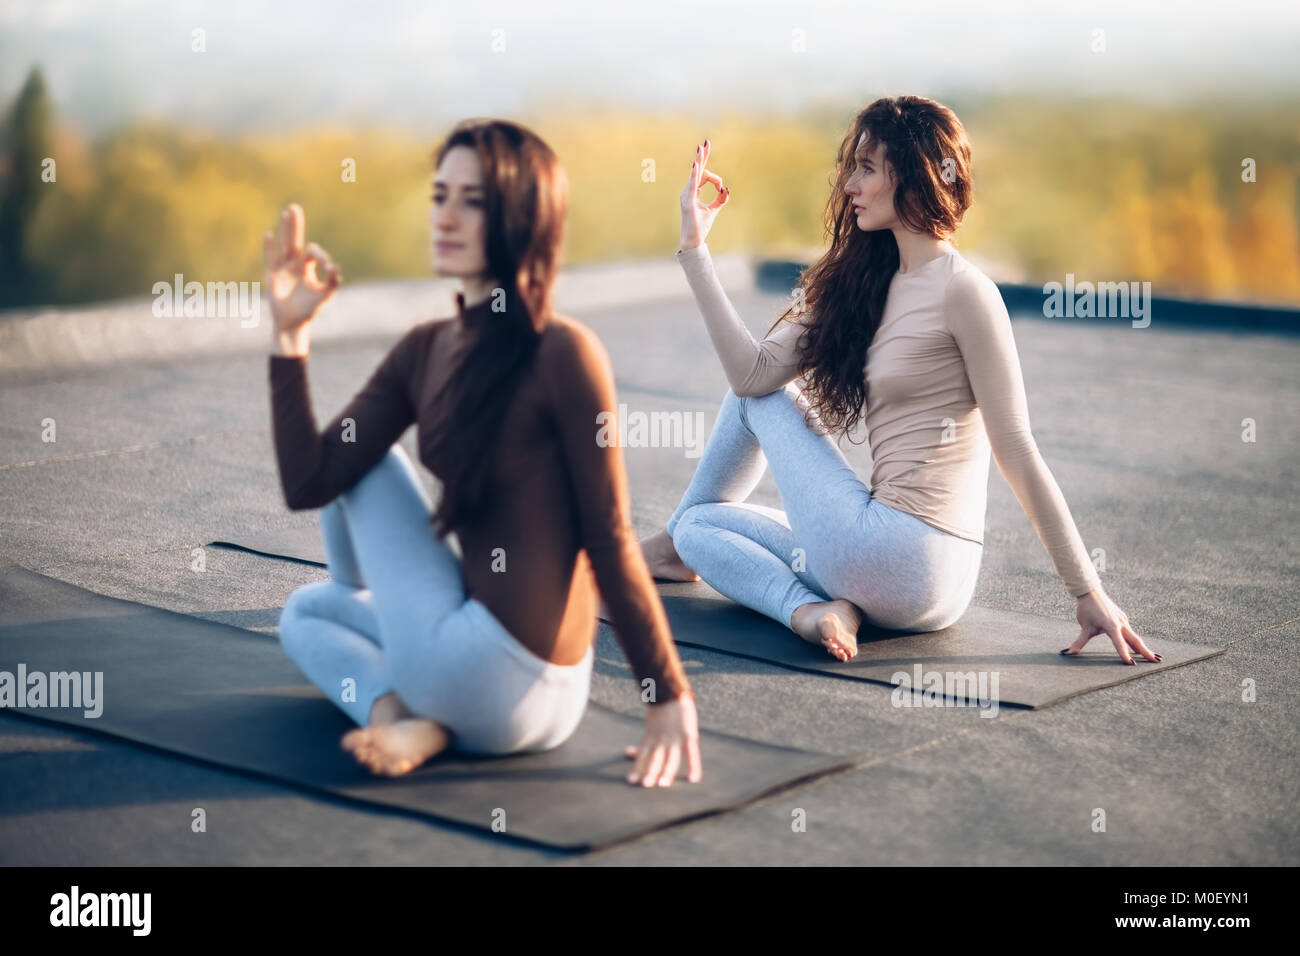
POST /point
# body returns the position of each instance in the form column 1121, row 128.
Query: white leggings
column 414, row 631
column 834, row 540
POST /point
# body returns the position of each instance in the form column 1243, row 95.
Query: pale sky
column 397, row 61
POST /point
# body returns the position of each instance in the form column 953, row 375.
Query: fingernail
column 1065, row 650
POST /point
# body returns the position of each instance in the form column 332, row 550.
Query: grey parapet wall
column 782, row 276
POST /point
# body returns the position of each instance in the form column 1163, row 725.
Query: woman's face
column 457, row 222
column 871, row 188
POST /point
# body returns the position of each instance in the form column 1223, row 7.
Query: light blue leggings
column 834, row 540
column 413, row 630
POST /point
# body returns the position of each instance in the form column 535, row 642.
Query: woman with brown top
column 489, row 650
column 897, row 328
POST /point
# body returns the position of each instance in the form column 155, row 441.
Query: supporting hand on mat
column 670, row 728
column 1098, row 614
column 296, row 288
column 697, row 218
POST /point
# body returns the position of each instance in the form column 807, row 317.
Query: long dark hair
column 844, row 291
column 526, row 203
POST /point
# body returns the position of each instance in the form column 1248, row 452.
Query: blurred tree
column 21, row 281
column 1107, row 191
column 1266, row 237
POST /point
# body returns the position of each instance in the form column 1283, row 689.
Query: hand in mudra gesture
column 299, row 278
column 697, row 217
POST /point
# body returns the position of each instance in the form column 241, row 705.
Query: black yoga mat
column 233, row 698
column 1023, row 650
column 300, row 543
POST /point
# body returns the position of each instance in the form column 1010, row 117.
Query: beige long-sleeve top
column 944, row 389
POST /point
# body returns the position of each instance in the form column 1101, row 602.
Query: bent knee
column 692, row 518
column 787, row 394
column 314, row 600
column 307, row 600
column 694, row 531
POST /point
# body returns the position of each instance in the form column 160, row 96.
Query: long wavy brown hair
column 526, row 196
column 844, row 291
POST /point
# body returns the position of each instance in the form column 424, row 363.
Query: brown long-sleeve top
column 944, row 389
column 564, row 511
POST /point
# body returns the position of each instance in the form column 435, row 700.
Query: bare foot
column 396, row 748
column 662, row 558
column 832, row 624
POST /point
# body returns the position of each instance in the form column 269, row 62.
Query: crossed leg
column 766, row 559
column 350, row 640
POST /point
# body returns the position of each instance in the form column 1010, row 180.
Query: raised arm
column 977, row 319
column 752, row 368
column 317, row 466
column 580, row 384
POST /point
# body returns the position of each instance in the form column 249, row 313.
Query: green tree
column 22, row 191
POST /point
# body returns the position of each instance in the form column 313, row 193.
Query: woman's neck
column 477, row 291
column 916, row 249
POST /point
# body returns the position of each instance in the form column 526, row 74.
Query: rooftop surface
column 1142, row 428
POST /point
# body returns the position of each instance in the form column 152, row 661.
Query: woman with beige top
column 898, row 330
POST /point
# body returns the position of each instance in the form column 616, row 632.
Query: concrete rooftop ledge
column 49, row 339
